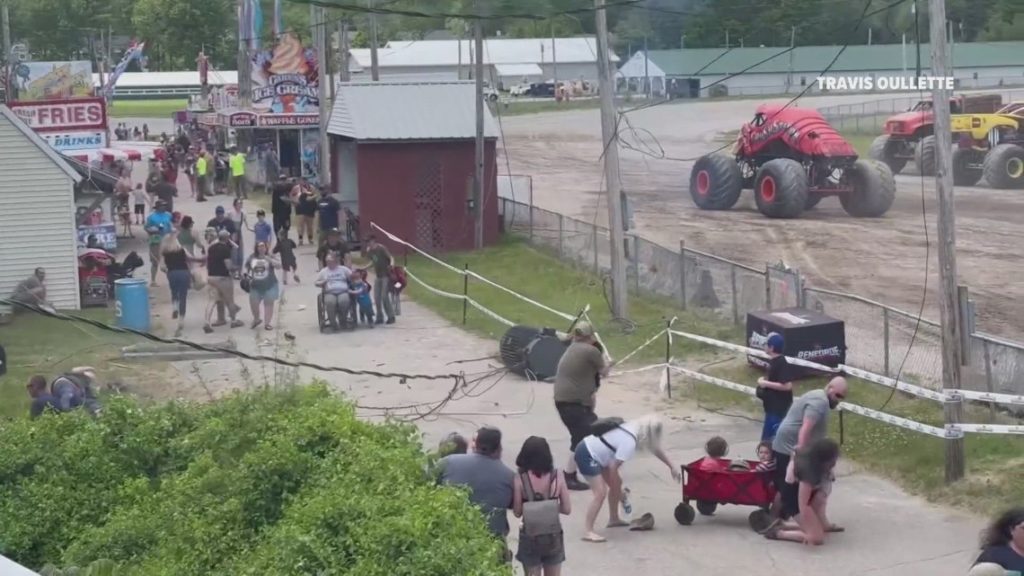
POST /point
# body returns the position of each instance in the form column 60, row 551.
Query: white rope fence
column 669, row 366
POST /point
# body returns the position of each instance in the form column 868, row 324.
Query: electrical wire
column 222, row 350
column 359, row 9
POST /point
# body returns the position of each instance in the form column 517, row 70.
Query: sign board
column 63, row 115
column 54, row 80
column 106, row 235
column 238, row 120
column 285, row 78
column 285, row 120
column 67, row 141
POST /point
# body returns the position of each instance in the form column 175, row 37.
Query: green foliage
column 272, row 482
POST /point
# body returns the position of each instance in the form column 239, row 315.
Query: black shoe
column 390, row 321
column 572, row 482
column 379, row 321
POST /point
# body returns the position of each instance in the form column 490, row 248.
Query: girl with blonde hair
column 179, row 276
column 600, row 457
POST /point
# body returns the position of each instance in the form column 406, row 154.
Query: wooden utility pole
column 792, row 51
column 320, row 35
column 619, row 296
column 478, row 177
column 343, row 52
column 952, row 352
column 374, row 63
column 554, row 58
column 917, row 38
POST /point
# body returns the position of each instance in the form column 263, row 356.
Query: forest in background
column 175, row 31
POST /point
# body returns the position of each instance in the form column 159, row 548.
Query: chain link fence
column 869, row 117
column 879, row 338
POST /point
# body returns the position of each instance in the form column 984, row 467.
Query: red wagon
column 736, row 483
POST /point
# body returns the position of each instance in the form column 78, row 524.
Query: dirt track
column 882, row 259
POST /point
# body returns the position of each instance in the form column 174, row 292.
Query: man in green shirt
column 380, row 261
column 202, row 176
column 237, row 164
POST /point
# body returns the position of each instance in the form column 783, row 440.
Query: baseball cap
column 219, row 210
column 583, row 329
column 776, row 342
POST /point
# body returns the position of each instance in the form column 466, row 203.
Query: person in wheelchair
column 334, row 281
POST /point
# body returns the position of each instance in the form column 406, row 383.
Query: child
column 765, row 457
column 286, row 248
column 776, row 389
column 359, row 288
column 716, row 449
column 141, row 199
column 262, row 230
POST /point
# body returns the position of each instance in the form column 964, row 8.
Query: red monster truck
column 792, row 158
column 909, row 135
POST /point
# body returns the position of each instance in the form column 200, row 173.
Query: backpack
column 602, row 426
column 541, row 516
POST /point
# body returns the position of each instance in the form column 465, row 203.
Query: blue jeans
column 585, row 462
column 771, row 426
column 180, row 282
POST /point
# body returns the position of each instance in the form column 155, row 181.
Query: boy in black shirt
column 776, row 389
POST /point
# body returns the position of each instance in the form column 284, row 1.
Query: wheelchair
column 345, row 320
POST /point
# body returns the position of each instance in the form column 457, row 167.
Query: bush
column 271, row 482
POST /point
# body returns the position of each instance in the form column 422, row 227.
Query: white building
column 702, row 72
column 37, row 213
column 508, row 61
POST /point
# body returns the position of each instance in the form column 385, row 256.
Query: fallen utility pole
column 478, row 175
column 952, row 346
column 610, row 153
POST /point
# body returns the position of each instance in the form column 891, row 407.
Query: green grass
column 146, row 108
column 521, row 107
column 46, row 346
column 913, row 460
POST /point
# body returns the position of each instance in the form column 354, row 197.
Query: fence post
column 597, row 264
column 966, row 324
column 465, row 292
column 735, row 296
column 682, row 274
column 636, row 263
column 885, row 338
column 561, row 233
column 668, row 358
column 531, row 218
column 798, row 283
column 768, row 286
column 988, row 379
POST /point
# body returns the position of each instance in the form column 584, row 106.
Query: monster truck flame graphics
column 801, row 129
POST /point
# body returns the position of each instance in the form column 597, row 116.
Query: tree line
column 176, row 31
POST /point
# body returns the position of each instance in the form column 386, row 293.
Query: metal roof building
column 507, row 59
column 403, row 156
column 766, row 70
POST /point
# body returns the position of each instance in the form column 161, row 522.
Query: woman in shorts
column 814, row 467
column 263, row 286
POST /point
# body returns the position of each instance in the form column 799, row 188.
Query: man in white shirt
column 333, row 279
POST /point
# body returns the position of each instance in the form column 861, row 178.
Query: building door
column 428, row 205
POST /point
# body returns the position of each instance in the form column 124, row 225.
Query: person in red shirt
column 716, row 449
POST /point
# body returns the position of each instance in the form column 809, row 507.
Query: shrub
column 269, row 482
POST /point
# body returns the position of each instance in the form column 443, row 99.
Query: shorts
column 269, row 294
column 771, row 426
column 790, row 493
column 578, row 419
column 547, row 550
column 140, row 209
column 585, row 461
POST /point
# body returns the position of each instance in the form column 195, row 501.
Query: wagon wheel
column 706, row 508
column 759, row 520
column 685, row 514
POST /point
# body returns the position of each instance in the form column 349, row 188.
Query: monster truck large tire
column 1004, row 167
column 883, row 150
column 874, row 189
column 780, row 188
column 924, row 156
column 812, row 200
column 965, row 169
column 716, row 182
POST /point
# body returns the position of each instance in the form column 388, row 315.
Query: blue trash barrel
column 131, row 301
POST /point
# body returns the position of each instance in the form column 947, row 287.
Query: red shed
column 403, row 155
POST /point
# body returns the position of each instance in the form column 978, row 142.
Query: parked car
column 521, row 89
column 542, row 90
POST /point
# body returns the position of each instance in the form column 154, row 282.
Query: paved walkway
column 888, row 532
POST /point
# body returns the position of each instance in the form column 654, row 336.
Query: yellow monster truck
column 990, row 146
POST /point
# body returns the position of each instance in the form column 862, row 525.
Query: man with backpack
column 67, row 392
column 576, row 382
